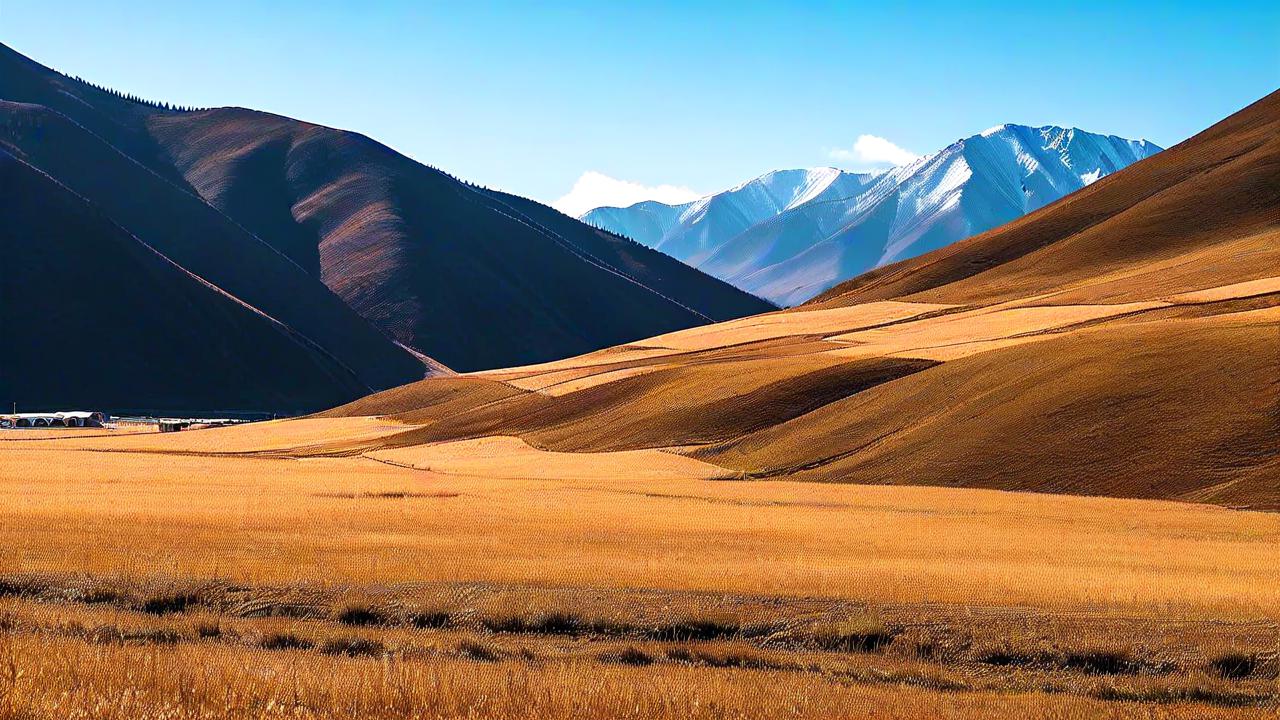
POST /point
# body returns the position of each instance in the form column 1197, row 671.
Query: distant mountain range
column 229, row 259
column 788, row 235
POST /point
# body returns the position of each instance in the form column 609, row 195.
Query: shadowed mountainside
column 1123, row 341
column 95, row 144
column 474, row 278
column 76, row 335
column 197, row 237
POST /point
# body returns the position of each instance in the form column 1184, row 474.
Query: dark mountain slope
column 345, row 241
column 92, row 317
column 716, row 301
column 118, row 121
column 473, row 278
column 187, row 230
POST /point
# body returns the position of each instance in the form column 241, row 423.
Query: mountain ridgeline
column 371, row 267
column 791, row 234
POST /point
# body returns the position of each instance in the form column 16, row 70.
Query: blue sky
column 699, row 96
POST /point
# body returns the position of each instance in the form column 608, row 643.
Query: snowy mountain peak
column 785, row 189
column 787, row 235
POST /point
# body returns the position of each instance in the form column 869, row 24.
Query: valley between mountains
column 1032, row 473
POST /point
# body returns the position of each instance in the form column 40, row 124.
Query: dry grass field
column 231, row 572
column 605, row 520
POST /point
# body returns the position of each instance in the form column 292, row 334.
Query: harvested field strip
column 793, row 322
column 509, row 457
column 263, row 437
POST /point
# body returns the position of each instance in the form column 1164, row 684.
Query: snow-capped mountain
column 790, row 234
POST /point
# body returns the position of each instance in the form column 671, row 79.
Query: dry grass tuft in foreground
column 237, row 651
column 52, row 677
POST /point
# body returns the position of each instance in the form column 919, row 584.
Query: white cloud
column 875, row 151
column 594, row 189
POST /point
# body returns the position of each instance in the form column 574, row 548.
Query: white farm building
column 65, row 418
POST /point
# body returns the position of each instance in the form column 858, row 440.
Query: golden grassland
column 215, row 574
column 353, row 519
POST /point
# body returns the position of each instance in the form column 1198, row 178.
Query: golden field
column 614, row 520
column 152, row 575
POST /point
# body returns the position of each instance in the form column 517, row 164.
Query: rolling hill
column 1123, row 341
column 791, row 234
